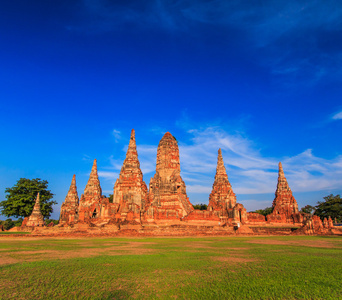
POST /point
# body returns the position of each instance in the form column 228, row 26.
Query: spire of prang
column 131, row 159
column 168, row 156
column 72, row 196
column 36, row 218
column 130, row 191
column 93, row 187
column 222, row 193
column 37, row 204
column 167, row 194
column 221, row 173
column 70, row 205
column 282, row 182
column 132, row 145
column 284, row 202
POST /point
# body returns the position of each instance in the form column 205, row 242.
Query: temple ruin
column 36, row 218
column 130, row 190
column 285, row 207
column 69, row 209
column 222, row 200
column 167, row 199
column 165, row 206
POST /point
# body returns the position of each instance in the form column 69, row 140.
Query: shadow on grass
column 118, row 294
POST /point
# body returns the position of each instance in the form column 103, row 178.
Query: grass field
column 11, row 233
column 300, row 267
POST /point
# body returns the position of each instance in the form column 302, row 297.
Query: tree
column 330, row 207
column 21, row 197
column 18, row 222
column 266, row 211
column 8, row 224
column 110, row 198
column 200, row 206
column 48, row 221
column 307, row 209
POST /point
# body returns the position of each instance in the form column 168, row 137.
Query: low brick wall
column 273, row 230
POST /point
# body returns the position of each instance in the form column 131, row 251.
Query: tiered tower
column 222, row 196
column 69, row 209
column 285, row 207
column 284, row 202
column 90, row 203
column 36, row 218
column 130, row 191
column 222, row 200
column 167, row 194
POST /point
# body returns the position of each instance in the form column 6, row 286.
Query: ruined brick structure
column 69, row 209
column 313, row 225
column 255, row 218
column 90, row 202
column 166, row 206
column 167, row 195
column 222, row 200
column 285, row 207
column 36, row 218
column 130, row 190
column 222, row 196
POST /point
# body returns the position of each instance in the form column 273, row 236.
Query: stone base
column 179, row 228
column 273, row 230
column 130, row 227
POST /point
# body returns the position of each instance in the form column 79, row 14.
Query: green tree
column 110, row 198
column 8, row 224
column 330, row 207
column 18, row 222
column 200, row 206
column 307, row 209
column 48, row 221
column 266, row 211
column 21, row 197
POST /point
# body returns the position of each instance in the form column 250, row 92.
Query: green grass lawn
column 300, row 267
column 11, row 233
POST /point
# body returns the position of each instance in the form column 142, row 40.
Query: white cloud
column 307, row 172
column 107, row 192
column 117, row 135
column 249, row 172
column 86, row 157
column 147, row 157
column 198, row 189
column 337, row 116
column 107, row 175
column 252, row 204
column 116, row 164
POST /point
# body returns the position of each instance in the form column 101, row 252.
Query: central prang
column 167, row 196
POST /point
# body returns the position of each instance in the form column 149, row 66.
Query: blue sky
column 260, row 79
